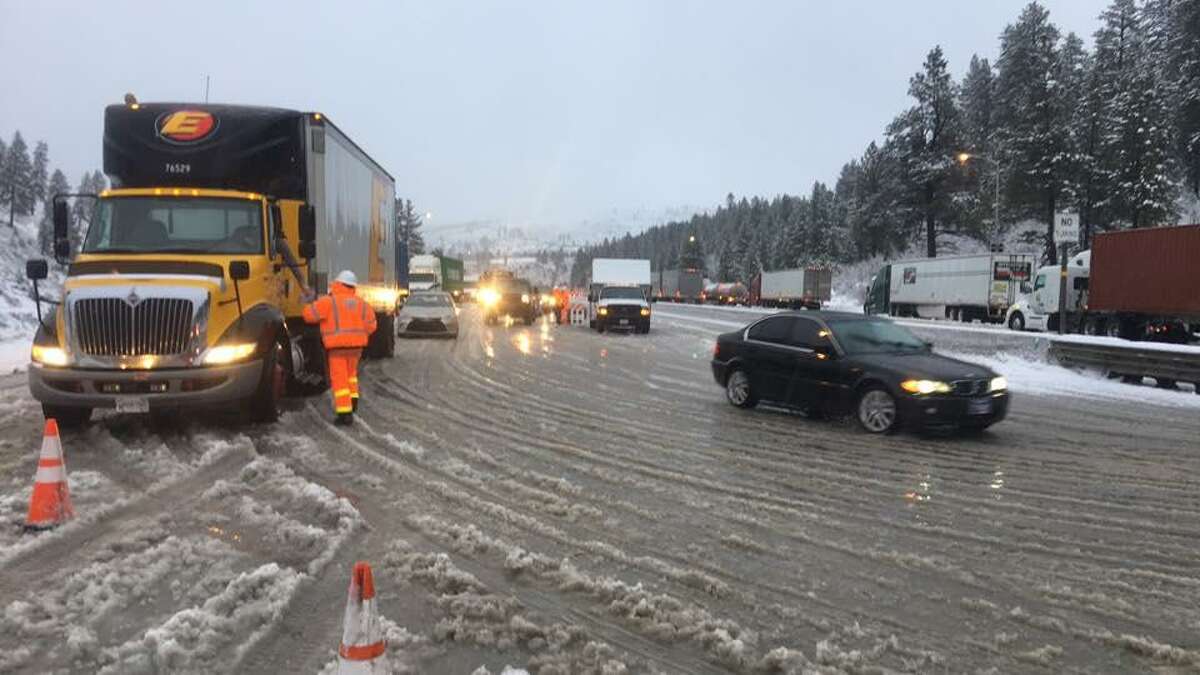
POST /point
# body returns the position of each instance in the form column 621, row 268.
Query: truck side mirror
column 308, row 231
column 62, row 241
column 36, row 270
column 239, row 270
column 276, row 221
column 61, row 219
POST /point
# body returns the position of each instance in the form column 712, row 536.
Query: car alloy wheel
column 737, row 390
column 877, row 411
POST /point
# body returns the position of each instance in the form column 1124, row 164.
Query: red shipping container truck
column 1144, row 277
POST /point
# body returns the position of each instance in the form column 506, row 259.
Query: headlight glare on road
column 925, row 387
column 223, row 354
column 49, row 356
column 998, row 384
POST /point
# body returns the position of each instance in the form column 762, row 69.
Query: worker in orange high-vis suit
column 347, row 322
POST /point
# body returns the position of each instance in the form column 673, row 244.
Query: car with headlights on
column 835, row 363
column 428, row 313
column 508, row 297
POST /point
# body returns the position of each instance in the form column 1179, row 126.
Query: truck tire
column 268, row 397
column 1017, row 321
column 67, row 417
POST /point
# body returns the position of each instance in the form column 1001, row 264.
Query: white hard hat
column 346, row 278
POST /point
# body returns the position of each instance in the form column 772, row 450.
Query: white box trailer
column 621, row 272
column 354, row 200
column 964, row 287
column 807, row 287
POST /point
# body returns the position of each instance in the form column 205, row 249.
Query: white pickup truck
column 618, row 295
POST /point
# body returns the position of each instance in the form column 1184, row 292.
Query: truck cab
column 620, row 308
column 188, row 288
column 1036, row 308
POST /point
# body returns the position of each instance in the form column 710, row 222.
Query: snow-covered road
column 567, row 502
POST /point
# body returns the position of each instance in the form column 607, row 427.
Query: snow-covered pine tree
column 978, row 198
column 1137, row 150
column 925, row 140
column 38, row 175
column 1175, row 46
column 15, row 178
column 1032, row 122
column 81, row 210
column 58, row 184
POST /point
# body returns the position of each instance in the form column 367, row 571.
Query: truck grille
column 113, row 327
column 971, row 387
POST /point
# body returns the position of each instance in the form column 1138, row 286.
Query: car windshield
column 622, row 293
column 170, row 225
column 429, row 300
column 874, row 336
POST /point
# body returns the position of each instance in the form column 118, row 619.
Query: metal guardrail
column 1135, row 359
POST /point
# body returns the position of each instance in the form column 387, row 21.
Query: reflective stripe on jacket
column 347, row 321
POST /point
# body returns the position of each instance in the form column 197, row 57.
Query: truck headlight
column 525, row 298
column 645, row 311
column 489, row 297
column 49, row 356
column 231, row 353
column 603, row 311
column 925, row 387
column 998, row 384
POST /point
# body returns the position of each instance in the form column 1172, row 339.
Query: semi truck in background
column 805, row 288
column 429, row 272
column 618, row 294
column 726, row 293
column 188, row 288
column 682, row 285
column 1139, row 284
column 964, row 288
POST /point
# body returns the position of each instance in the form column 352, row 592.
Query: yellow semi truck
column 187, row 289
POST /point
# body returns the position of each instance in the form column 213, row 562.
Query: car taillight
column 716, row 349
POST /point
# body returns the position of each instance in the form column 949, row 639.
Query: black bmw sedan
column 838, row 363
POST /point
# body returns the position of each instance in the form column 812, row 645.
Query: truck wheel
column 67, row 417
column 264, row 405
column 738, row 390
column 1017, row 321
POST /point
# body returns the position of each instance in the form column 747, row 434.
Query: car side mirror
column 824, row 352
column 308, row 231
column 239, row 270
column 36, row 270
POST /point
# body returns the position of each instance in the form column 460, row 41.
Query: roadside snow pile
column 1038, row 377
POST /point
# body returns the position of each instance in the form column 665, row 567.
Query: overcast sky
column 525, row 112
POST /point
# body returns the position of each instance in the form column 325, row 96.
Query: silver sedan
column 430, row 313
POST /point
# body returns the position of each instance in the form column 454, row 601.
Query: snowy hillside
column 18, row 314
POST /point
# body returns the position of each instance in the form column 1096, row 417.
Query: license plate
column 133, row 404
column 624, row 322
column 979, row 406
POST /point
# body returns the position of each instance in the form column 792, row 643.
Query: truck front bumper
column 176, row 388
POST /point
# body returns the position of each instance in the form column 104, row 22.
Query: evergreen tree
column 408, row 226
column 16, row 177
column 38, row 174
column 1034, row 121
column 925, row 141
column 58, row 184
column 978, row 199
column 1137, row 148
column 691, row 257
column 1182, row 59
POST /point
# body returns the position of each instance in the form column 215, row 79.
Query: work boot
column 354, row 404
column 344, row 419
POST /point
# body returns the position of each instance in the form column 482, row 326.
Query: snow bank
column 1036, row 377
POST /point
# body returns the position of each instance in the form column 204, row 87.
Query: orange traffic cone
column 362, row 645
column 50, row 504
